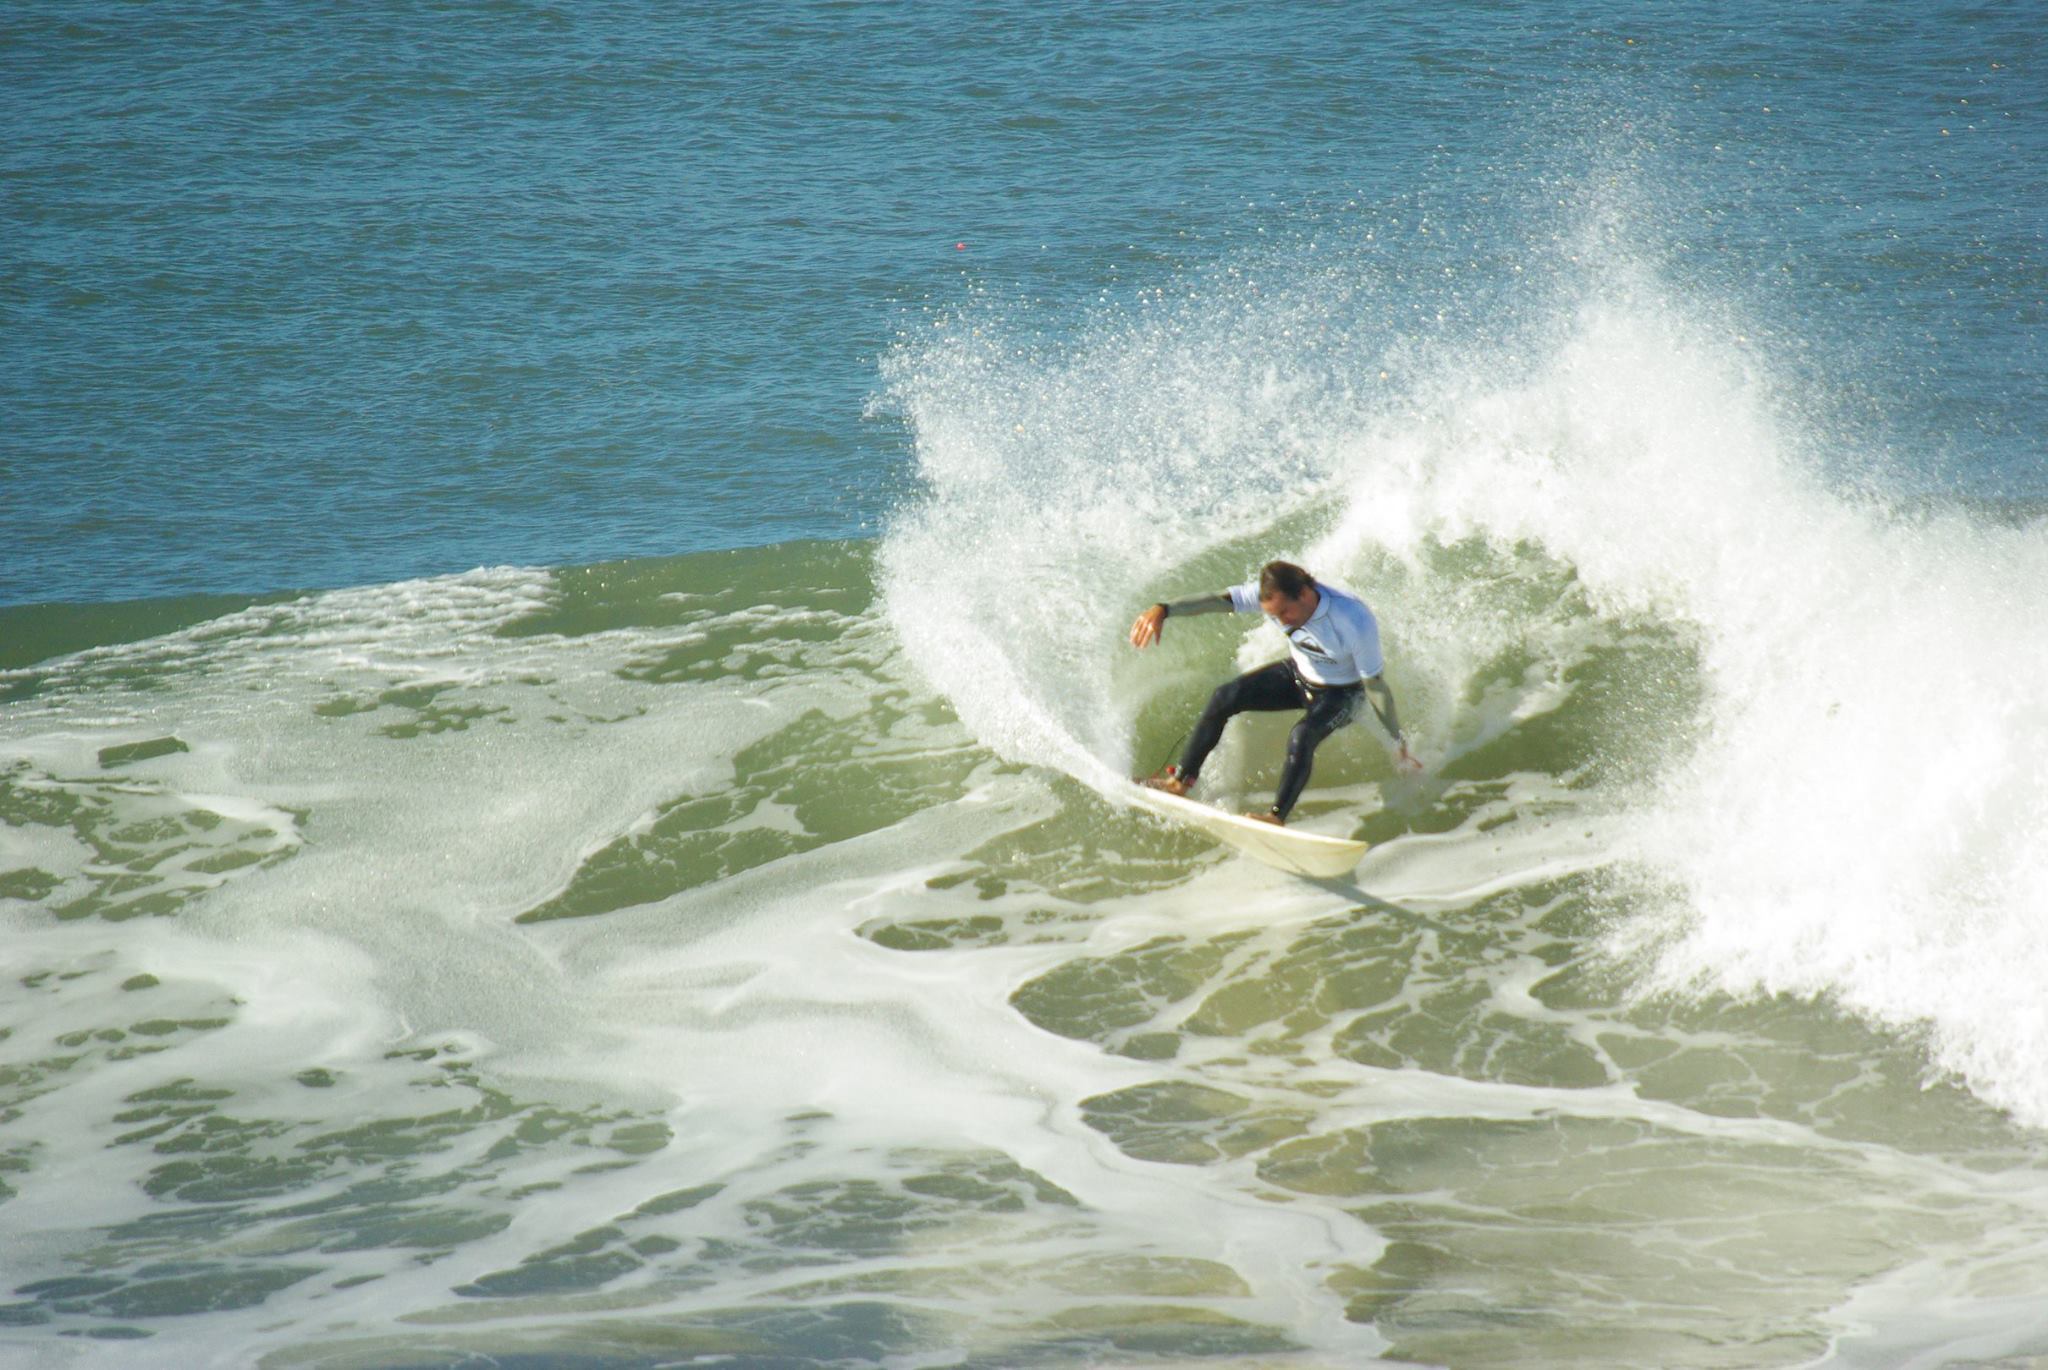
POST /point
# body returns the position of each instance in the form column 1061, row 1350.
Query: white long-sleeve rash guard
column 1339, row 645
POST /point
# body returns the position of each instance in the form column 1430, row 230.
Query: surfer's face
column 1292, row 613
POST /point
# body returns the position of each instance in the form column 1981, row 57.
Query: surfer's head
column 1287, row 593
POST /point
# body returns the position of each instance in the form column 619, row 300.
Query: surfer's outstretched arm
column 1145, row 631
column 1383, row 707
column 1382, row 700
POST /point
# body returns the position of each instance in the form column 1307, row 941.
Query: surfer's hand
column 1145, row 631
column 1406, row 762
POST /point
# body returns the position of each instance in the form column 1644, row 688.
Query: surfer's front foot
column 1275, row 819
column 1168, row 780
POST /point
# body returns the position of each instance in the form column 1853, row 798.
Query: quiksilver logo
column 1308, row 643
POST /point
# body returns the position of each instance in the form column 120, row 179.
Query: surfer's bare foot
column 1275, row 819
column 1168, row 780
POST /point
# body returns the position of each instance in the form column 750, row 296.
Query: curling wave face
column 1830, row 754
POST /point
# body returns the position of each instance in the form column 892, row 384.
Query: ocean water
column 563, row 693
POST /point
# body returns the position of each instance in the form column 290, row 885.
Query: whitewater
column 1851, row 769
column 750, row 955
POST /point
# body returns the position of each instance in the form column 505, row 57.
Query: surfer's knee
column 1305, row 737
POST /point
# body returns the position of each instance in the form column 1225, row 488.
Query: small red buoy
column 959, row 247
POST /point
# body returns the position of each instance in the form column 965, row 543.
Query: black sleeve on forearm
column 1201, row 604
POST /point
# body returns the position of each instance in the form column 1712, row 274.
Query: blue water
column 298, row 298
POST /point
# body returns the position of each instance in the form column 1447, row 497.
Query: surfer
column 1334, row 661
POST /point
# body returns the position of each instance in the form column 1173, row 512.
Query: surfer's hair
column 1285, row 579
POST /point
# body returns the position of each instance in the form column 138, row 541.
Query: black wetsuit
column 1270, row 689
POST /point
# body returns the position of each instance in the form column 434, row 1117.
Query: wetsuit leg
column 1266, row 690
column 1328, row 710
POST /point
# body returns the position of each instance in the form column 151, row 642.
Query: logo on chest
column 1308, row 643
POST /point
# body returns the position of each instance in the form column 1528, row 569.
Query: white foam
column 1856, row 811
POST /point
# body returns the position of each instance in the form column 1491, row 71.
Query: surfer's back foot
column 1275, row 819
column 1168, row 780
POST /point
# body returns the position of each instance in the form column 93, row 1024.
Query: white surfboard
column 1313, row 854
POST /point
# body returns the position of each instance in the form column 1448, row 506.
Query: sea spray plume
column 1858, row 812
column 1180, row 438
column 1848, row 786
column 1856, row 807
column 1862, row 818
column 1058, row 486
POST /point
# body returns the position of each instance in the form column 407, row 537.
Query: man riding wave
column 1333, row 662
